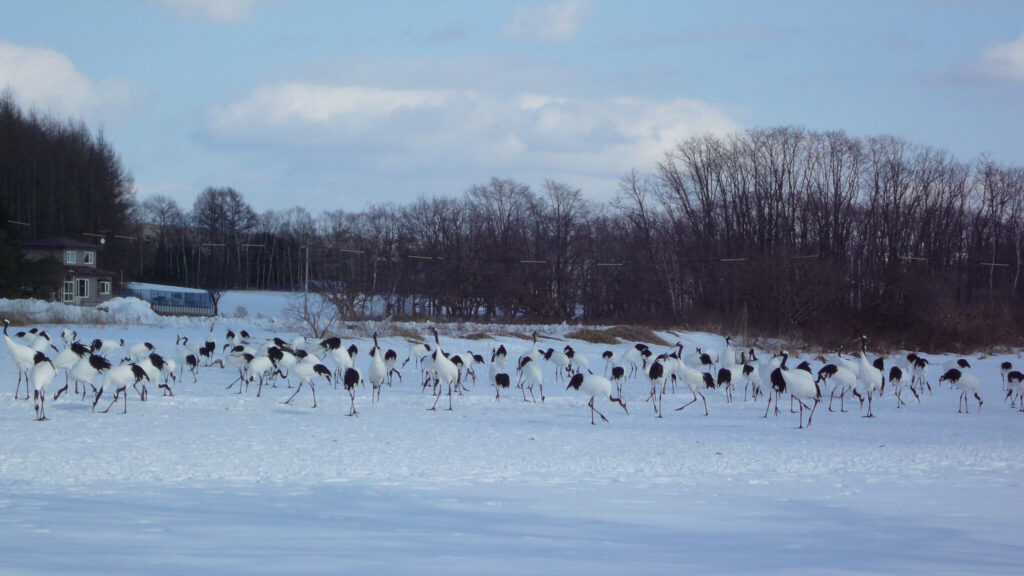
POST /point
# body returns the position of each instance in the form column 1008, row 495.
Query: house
column 82, row 282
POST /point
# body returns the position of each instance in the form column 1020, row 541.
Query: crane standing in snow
column 594, row 386
column 23, row 356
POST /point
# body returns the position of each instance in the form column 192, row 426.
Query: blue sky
column 342, row 104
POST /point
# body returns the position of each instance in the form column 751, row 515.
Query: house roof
column 59, row 242
column 88, row 271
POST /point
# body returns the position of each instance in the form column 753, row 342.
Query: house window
column 83, row 288
column 89, row 258
column 104, row 287
column 69, row 257
column 69, row 291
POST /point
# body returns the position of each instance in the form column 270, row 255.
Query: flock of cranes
column 308, row 363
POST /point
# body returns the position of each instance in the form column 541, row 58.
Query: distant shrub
column 241, row 312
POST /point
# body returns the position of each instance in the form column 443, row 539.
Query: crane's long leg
column 166, row 387
column 869, row 414
column 592, row 410
column 690, row 402
column 289, row 400
column 813, row 408
column 116, row 392
column 437, row 396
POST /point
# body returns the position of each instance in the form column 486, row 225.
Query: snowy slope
column 235, row 484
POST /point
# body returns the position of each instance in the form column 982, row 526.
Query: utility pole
column 305, row 292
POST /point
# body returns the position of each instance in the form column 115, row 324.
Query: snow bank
column 124, row 311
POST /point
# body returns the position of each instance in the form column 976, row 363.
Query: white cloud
column 47, row 80
column 291, row 105
column 1004, row 61
column 557, row 22
column 461, row 131
column 214, row 10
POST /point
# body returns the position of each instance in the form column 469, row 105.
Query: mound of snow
column 113, row 311
column 130, row 311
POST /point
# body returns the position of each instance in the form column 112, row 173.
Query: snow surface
column 257, row 304
column 209, row 481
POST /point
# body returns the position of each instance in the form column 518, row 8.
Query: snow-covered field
column 209, row 481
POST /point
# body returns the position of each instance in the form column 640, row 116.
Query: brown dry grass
column 593, row 336
column 634, row 333
column 407, row 333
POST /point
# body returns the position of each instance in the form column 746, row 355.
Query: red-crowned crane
column 377, row 371
column 594, row 386
column 967, row 383
column 870, row 376
column 120, row 378
column 445, row 372
column 40, row 377
column 306, row 371
column 351, row 379
column 23, row 356
column 800, row 384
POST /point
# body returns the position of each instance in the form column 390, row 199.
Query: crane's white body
column 445, row 372
column 306, row 370
column 377, row 371
column 595, row 386
column 696, row 381
column 530, row 375
column 119, row 378
column 967, row 383
column 40, row 377
column 23, row 356
column 869, row 377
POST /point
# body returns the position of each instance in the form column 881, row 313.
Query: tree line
column 776, row 230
